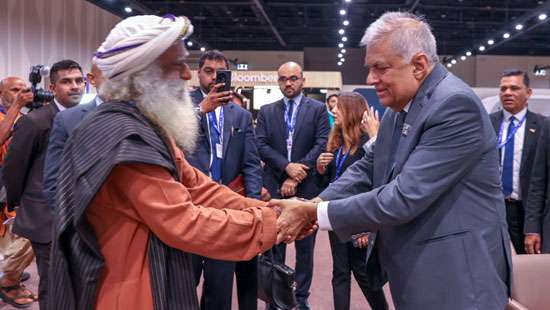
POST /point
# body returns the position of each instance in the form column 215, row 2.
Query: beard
column 167, row 104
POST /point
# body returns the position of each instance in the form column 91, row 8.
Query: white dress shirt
column 60, row 107
column 519, row 138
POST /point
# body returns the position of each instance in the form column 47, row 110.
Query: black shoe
column 25, row 276
column 303, row 306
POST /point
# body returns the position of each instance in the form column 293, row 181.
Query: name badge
column 289, row 147
column 219, row 150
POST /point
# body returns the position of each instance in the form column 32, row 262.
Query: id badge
column 219, row 150
column 289, row 147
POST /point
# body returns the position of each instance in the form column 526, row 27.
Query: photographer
column 24, row 166
column 17, row 251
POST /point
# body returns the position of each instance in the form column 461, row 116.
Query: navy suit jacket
column 533, row 126
column 309, row 141
column 240, row 154
column 63, row 125
column 23, row 171
column 439, row 210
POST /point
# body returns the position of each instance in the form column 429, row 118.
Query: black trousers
column 515, row 216
column 42, row 254
column 217, row 287
column 347, row 259
column 304, row 265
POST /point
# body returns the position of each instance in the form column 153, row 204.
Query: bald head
column 9, row 87
column 291, row 79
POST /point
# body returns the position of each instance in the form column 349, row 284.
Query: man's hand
column 288, row 189
column 361, row 240
column 323, row 161
column 23, row 98
column 297, row 219
column 215, row 99
column 532, row 243
column 297, row 171
column 264, row 194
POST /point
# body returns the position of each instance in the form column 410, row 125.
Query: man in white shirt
column 517, row 131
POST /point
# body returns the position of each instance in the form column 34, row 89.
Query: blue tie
column 508, row 162
column 216, row 166
column 289, row 115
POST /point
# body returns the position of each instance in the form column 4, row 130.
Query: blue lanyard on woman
column 510, row 134
column 340, row 160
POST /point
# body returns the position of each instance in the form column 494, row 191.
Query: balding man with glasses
column 291, row 134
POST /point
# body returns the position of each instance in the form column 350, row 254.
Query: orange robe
column 139, row 198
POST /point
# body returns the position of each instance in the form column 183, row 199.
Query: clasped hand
column 297, row 219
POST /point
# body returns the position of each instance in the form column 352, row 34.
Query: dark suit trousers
column 217, row 287
column 218, row 283
column 42, row 253
column 304, row 264
column 515, row 216
column 346, row 259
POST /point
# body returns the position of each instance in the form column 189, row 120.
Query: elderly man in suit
column 291, row 134
column 226, row 150
column 429, row 186
column 517, row 131
column 24, row 166
column 63, row 124
column 537, row 217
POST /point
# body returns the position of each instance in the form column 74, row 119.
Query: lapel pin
column 406, row 129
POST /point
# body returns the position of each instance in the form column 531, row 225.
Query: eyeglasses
column 293, row 79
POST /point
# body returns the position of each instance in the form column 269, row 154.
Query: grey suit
column 439, row 211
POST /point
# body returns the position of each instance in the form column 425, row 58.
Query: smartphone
column 224, row 76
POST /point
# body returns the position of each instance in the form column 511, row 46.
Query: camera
column 40, row 95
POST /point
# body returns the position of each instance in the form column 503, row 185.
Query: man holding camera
column 24, row 164
column 17, row 251
column 226, row 151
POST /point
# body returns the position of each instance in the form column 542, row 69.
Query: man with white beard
column 129, row 206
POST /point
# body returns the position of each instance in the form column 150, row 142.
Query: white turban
column 138, row 41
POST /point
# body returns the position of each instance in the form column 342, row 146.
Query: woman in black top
column 353, row 122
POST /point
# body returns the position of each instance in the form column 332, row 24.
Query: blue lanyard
column 291, row 123
column 217, row 126
column 510, row 134
column 340, row 160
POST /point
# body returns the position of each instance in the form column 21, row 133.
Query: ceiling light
column 342, row 12
column 344, row 39
column 468, row 53
column 449, row 65
column 491, row 42
column 341, row 31
column 348, row 0
column 340, row 55
column 519, row 27
column 128, row 9
column 340, row 45
column 453, row 61
column 542, row 16
column 189, row 43
column 462, row 58
column 203, row 49
column 482, row 48
column 342, row 59
column 506, row 35
column 343, row 51
column 339, row 63
column 345, row 23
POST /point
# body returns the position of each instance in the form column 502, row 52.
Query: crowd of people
column 130, row 200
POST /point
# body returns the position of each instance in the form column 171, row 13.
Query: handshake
column 297, row 218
